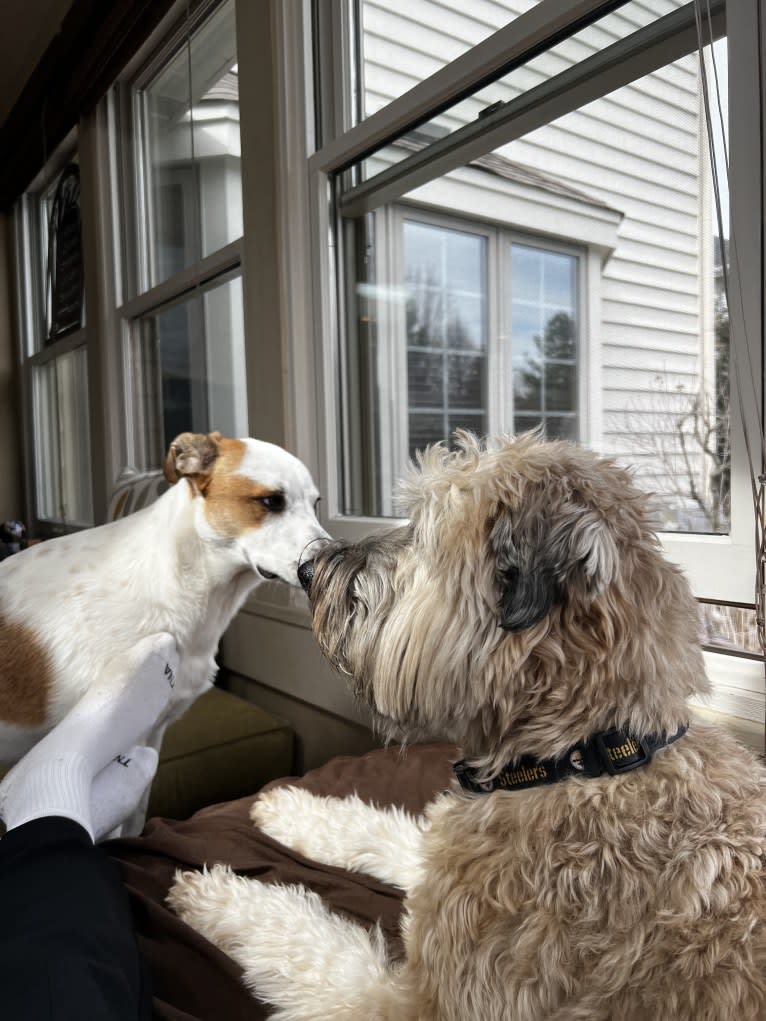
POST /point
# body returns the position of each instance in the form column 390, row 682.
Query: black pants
column 67, row 949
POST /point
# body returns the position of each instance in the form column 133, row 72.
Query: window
column 596, row 307
column 183, row 317
column 635, row 365
column 187, row 367
column 475, row 304
column 445, row 272
column 523, row 232
column 55, row 347
column 189, row 167
column 543, row 288
column 62, row 439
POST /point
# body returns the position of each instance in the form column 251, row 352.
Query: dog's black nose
column 306, row 574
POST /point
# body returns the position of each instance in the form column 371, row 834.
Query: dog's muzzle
column 306, row 575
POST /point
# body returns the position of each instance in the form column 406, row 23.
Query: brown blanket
column 192, row 980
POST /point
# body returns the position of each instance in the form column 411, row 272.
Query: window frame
column 390, row 252
column 719, row 567
column 35, row 352
column 711, row 573
column 132, row 294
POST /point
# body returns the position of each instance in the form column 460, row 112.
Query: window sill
column 737, row 700
column 276, row 601
column 746, row 732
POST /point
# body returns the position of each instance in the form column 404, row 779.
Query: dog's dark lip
column 265, row 574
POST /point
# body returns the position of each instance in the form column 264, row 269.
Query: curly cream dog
column 614, row 868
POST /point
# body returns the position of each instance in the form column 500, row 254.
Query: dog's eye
column 274, row 502
column 316, row 503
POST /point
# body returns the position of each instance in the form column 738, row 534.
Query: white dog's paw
column 288, row 815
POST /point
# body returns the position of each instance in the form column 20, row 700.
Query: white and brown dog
column 72, row 609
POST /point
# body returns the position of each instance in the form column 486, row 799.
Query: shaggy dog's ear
column 538, row 561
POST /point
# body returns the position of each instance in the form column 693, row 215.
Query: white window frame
column 34, row 351
column 112, row 247
column 392, row 353
column 719, row 567
column 125, row 288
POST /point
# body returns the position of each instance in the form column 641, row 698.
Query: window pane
column 641, row 154
column 465, row 381
column 730, row 628
column 561, row 427
column 403, row 43
column 409, row 52
column 560, row 387
column 189, row 370
column 543, row 343
column 62, row 440
column 424, row 430
column 191, row 159
column 425, row 379
column 601, row 251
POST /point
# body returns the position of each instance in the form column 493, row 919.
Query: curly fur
column 526, row 606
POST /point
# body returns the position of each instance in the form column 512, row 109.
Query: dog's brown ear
column 539, row 562
column 192, row 455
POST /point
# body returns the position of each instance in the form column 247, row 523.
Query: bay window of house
column 524, row 235
column 177, row 119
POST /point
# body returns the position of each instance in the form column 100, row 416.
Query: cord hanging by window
column 65, row 271
column 756, row 455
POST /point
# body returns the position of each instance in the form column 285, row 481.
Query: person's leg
column 67, row 949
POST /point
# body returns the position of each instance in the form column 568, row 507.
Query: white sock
column 117, row 790
column 55, row 777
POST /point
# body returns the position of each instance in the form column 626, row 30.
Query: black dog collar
column 613, row 751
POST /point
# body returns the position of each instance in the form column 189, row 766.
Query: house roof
column 510, row 170
column 225, row 90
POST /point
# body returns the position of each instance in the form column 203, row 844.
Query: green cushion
column 222, row 748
